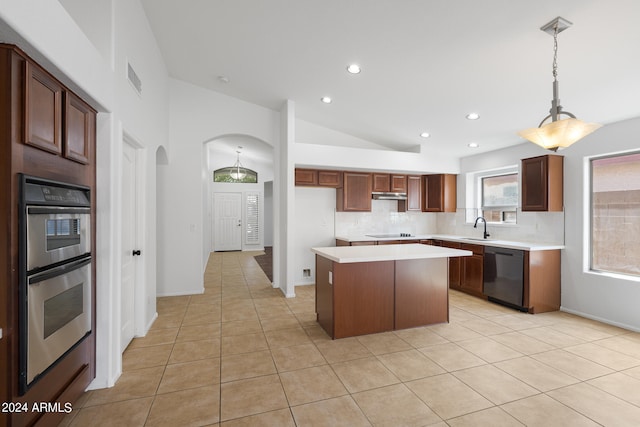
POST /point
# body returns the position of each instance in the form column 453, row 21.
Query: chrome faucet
column 485, row 234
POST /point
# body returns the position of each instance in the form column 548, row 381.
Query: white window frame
column 474, row 197
column 588, row 217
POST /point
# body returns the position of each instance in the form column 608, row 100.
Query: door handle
column 136, row 252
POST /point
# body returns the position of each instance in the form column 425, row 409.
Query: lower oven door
column 58, row 315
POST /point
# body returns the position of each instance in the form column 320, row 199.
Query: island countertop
column 351, row 254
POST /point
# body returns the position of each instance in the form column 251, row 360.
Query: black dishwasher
column 504, row 276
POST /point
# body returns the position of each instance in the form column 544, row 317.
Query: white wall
column 314, row 227
column 268, row 213
column 197, row 116
column 598, row 296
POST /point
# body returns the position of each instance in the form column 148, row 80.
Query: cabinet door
column 79, row 130
column 355, row 194
column 542, row 183
column 330, row 179
column 381, row 182
column 455, row 265
column 414, row 193
column 439, row 193
column 433, row 193
column 398, row 183
column 43, row 115
column 306, row 177
column 534, row 184
column 472, row 270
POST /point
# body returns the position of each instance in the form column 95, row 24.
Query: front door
column 227, row 208
column 129, row 209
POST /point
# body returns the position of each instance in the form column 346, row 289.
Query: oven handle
column 58, row 271
column 31, row 210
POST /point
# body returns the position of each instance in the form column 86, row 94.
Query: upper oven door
column 56, row 234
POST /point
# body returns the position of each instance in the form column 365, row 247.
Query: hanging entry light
column 558, row 133
column 236, row 173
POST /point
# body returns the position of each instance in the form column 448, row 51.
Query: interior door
column 129, row 209
column 227, row 208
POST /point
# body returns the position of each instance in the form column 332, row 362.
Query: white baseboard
column 600, row 319
column 180, row 294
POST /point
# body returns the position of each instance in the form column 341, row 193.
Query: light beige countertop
column 525, row 246
column 351, row 254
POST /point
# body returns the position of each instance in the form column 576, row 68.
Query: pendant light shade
column 236, row 173
column 558, row 133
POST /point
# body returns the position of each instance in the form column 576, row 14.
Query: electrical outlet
column 306, row 272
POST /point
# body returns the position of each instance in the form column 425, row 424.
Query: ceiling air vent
column 134, row 79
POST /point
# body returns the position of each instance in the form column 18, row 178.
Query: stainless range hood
column 379, row 195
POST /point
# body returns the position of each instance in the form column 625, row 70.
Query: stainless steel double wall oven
column 55, row 277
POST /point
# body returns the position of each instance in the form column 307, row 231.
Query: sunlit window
column 615, row 214
column 499, row 198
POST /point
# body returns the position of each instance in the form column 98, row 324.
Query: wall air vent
column 134, row 79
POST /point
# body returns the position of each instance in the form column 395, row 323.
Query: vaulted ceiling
column 425, row 64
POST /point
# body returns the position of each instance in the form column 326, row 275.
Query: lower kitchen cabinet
column 542, row 281
column 455, row 266
column 472, row 269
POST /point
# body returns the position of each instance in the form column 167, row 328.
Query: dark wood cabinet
column 306, row 177
column 414, row 195
column 371, row 297
column 384, row 182
column 331, row 179
column 398, row 184
column 355, row 193
column 79, row 129
column 381, row 181
column 318, row 178
column 439, row 193
column 455, row 266
column 39, row 138
column 472, row 269
column 43, row 110
column 542, row 183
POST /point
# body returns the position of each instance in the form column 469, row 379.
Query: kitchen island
column 368, row 289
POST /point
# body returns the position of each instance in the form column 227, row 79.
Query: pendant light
column 237, row 171
column 558, row 133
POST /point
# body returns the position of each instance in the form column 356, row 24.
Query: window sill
column 618, row 276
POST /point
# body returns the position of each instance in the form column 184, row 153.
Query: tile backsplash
column 384, row 218
column 532, row 227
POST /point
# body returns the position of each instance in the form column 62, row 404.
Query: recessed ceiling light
column 354, row 69
column 474, row 145
column 326, row 99
column 473, row 116
column 425, row 134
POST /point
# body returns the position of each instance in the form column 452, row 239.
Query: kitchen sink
column 477, row 239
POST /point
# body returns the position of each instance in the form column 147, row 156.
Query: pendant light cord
column 555, row 53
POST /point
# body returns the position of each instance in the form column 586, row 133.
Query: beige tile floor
column 243, row 355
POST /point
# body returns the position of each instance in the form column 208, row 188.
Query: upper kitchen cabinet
column 56, row 120
column 318, row 178
column 542, row 182
column 329, row 179
column 355, row 193
column 79, row 129
column 306, row 177
column 414, row 195
column 384, row 182
column 439, row 193
column 43, row 110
